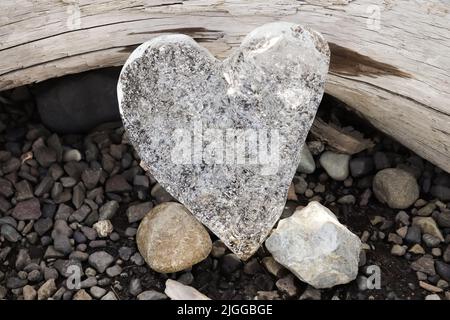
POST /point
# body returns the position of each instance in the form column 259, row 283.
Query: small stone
column 272, row 266
column 45, row 156
column 446, row 255
column 361, row 166
column 97, row 292
column 24, row 190
column 160, row 194
column 230, row 263
column 417, row 249
column 429, row 287
column 82, row 295
column 125, row 253
column 108, row 210
column 298, row 244
column 287, row 286
column 78, row 195
column 27, row 210
column 428, row 225
column 398, row 250
column 186, row 278
column 15, row 282
column 395, row 238
column 114, row 271
column 170, row 239
column 137, row 212
column 91, row 177
column 430, row 241
column 10, row 233
column 310, row 293
column 424, row 264
column 72, row 155
column 267, row 295
column 218, row 249
column 426, row 210
column 46, row 290
column 135, row 287
column 443, row 219
column 117, row 184
column 151, row 295
column 89, row 282
column 29, row 293
column 43, row 225
column 178, row 291
column 402, row 217
column 395, row 187
column 413, row 234
column 44, row 186
column 306, row 164
column 100, row 260
column 109, row 296
column 104, row 228
column 437, row 252
column 347, row 199
column 432, row 297
column 442, row 269
column 336, row 165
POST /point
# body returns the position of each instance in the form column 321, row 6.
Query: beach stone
column 335, row 164
column 170, row 239
column 395, row 187
column 306, row 164
column 178, row 291
column 268, row 89
column 27, row 210
column 314, row 246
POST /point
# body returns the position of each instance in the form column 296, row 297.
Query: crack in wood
column 351, row 63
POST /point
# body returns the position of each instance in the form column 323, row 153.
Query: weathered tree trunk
column 390, row 59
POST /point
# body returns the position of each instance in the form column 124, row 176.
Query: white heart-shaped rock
column 225, row 137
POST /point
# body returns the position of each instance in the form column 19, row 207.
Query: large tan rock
column 170, row 239
column 395, row 187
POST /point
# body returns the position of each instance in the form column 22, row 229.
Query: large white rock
column 316, row 247
column 191, row 118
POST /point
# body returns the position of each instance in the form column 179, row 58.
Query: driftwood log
column 390, row 59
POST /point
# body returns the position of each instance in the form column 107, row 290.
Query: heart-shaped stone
column 225, row 137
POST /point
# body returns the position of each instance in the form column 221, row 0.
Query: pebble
column 424, row 264
column 417, row 249
column 114, row 271
column 108, row 210
column 117, row 184
column 432, row 297
column 429, row 287
column 151, row 295
column 137, row 212
column 395, row 187
column 361, row 166
column 443, row 219
column 430, row 241
column 27, row 210
column 413, row 234
column 442, row 269
column 446, row 255
column 311, row 293
column 100, row 260
column 428, row 225
column 97, row 292
column 230, row 263
column 306, row 164
column 426, row 210
column 287, row 286
column 170, row 239
column 29, row 293
column 109, row 296
column 104, row 228
column 10, row 233
column 398, row 250
column 46, row 290
column 82, row 295
column 272, row 266
column 178, row 291
column 336, row 165
column 135, row 287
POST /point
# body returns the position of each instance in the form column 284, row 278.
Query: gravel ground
column 55, row 188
